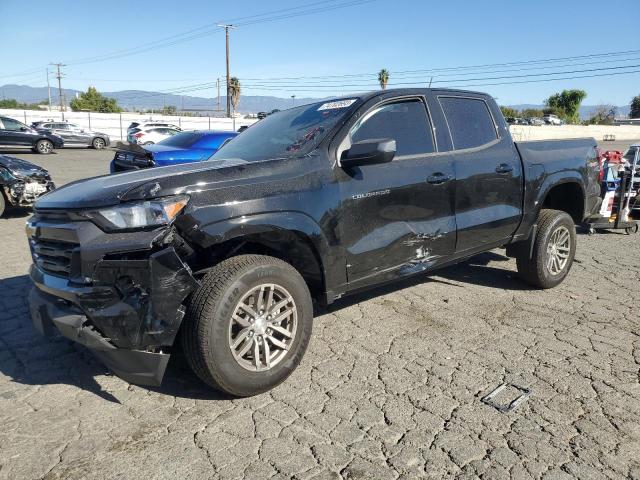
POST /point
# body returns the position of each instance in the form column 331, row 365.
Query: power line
column 207, row 30
column 424, row 81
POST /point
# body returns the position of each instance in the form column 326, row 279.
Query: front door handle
column 438, row 178
column 504, row 168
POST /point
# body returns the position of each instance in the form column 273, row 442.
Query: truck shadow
column 29, row 359
column 17, row 213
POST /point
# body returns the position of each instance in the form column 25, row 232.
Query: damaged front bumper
column 24, row 192
column 126, row 307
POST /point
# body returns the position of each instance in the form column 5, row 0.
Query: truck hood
column 135, row 185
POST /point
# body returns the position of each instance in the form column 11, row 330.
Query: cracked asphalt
column 389, row 388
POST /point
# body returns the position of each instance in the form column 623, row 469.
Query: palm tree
column 234, row 91
column 383, row 78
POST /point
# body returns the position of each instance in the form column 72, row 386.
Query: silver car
column 74, row 134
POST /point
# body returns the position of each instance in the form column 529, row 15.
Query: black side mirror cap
column 369, row 152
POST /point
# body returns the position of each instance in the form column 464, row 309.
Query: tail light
column 138, row 135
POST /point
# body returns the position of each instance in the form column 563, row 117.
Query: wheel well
column 292, row 247
column 567, row 197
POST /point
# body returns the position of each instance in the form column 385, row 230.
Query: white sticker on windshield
column 337, row 104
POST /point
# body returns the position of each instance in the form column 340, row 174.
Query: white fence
column 550, row 132
column 115, row 124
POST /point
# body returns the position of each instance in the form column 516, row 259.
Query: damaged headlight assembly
column 138, row 215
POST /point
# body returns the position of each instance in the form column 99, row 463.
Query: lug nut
column 268, row 317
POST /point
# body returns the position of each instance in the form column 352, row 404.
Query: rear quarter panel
column 548, row 163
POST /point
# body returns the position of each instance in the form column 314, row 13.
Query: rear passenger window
column 405, row 122
column 470, row 122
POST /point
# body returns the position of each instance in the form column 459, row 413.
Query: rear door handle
column 504, row 168
column 438, row 178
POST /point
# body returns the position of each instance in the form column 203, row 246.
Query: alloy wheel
column 558, row 250
column 263, row 327
column 45, row 147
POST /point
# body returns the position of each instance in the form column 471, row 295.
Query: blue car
column 184, row 147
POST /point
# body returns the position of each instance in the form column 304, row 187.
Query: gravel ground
column 389, row 388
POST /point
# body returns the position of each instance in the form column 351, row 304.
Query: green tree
column 509, row 112
column 234, row 91
column 635, row 107
column 13, row 103
column 383, row 78
column 94, row 101
column 169, row 110
column 532, row 112
column 566, row 104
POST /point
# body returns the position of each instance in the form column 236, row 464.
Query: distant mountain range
column 142, row 99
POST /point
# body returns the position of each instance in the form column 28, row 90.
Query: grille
column 53, row 257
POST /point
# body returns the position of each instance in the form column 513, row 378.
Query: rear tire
column 98, row 143
column 553, row 250
column 247, row 304
column 44, row 147
column 3, row 204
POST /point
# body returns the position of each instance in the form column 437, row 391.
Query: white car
column 150, row 124
column 152, row 135
column 552, row 120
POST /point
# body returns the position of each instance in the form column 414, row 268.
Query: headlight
column 138, row 215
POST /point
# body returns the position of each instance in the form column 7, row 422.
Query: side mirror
column 369, row 152
column 24, row 129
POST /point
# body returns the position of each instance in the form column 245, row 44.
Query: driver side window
column 405, row 122
column 12, row 125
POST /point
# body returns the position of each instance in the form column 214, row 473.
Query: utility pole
column 49, row 89
column 293, row 100
column 218, row 85
column 226, row 31
column 59, row 77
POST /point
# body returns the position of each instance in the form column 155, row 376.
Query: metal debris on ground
column 490, row 398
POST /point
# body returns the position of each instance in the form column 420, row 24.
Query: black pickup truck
column 309, row 204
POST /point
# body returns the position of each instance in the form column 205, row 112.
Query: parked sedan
column 16, row 134
column 149, row 136
column 21, row 183
column 184, row 147
column 73, row 134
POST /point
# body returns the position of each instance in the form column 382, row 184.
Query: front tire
column 3, row 204
column 44, row 147
column 248, row 325
column 553, row 250
column 98, row 143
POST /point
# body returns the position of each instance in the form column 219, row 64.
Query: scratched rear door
column 399, row 213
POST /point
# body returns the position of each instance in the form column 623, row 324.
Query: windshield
column 291, row 133
column 181, row 140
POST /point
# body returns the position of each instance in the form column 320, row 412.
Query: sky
column 313, row 48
